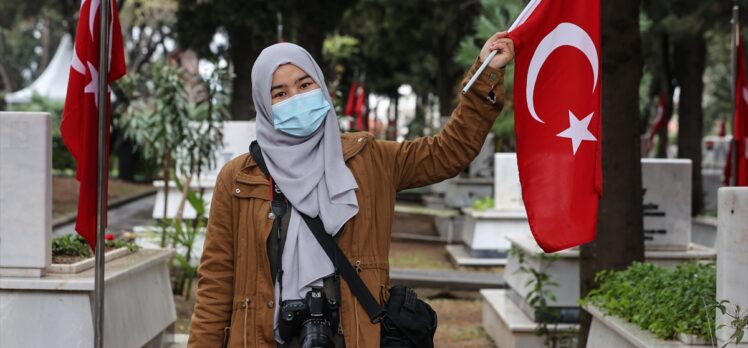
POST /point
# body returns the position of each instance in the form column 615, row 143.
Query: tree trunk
column 620, row 237
column 669, row 87
column 243, row 55
column 126, row 156
column 690, row 62
column 445, row 80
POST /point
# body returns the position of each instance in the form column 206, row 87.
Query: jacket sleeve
column 429, row 160
column 215, row 284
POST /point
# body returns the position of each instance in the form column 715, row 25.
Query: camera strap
column 375, row 312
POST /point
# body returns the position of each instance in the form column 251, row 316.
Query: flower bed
column 669, row 303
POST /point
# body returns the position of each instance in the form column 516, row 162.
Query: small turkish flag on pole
column 80, row 116
column 740, row 126
column 661, row 120
column 557, row 86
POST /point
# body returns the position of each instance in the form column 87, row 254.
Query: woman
column 348, row 180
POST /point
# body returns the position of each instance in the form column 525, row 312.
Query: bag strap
column 371, row 306
column 355, row 283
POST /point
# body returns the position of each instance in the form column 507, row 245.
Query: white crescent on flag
column 565, row 34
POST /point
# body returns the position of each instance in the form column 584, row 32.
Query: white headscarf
column 310, row 171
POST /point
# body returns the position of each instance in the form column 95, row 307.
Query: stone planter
column 88, row 263
column 509, row 327
column 614, row 332
column 565, row 270
column 56, row 310
column 484, row 234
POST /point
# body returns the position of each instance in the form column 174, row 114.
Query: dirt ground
column 65, row 193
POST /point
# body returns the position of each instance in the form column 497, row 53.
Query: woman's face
column 288, row 81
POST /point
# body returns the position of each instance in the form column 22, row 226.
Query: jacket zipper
column 245, row 306
column 226, row 331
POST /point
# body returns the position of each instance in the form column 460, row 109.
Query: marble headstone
column 25, row 193
column 237, row 135
column 732, row 260
column 667, row 203
column 507, row 189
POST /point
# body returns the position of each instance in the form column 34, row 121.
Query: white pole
column 526, row 12
column 102, row 174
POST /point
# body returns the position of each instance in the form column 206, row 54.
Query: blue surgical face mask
column 301, row 114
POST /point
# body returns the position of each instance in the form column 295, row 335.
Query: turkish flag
column 360, row 105
column 351, row 100
column 661, row 120
column 557, row 84
column 80, row 123
column 740, row 126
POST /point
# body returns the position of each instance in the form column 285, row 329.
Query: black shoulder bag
column 406, row 321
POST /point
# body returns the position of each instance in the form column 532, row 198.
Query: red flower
column 109, row 236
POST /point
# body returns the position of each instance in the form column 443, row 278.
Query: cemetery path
column 122, row 218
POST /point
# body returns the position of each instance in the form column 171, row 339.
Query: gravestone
column 667, row 203
column 484, row 232
column 237, row 135
column 732, row 263
column 507, row 188
column 25, row 193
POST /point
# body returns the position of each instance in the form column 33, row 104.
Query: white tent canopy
column 53, row 82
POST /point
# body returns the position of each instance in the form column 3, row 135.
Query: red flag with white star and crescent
column 740, row 127
column 79, row 125
column 557, row 88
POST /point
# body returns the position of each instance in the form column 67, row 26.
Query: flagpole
column 103, row 103
column 734, row 49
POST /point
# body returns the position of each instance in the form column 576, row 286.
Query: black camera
column 313, row 318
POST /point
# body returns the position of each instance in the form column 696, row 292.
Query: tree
column 250, row 26
column 620, row 236
column 412, row 42
column 29, row 33
column 310, row 24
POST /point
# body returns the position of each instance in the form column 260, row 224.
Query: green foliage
column 70, row 245
column 340, row 47
column 483, row 203
column 121, row 243
column 738, row 320
column 410, row 42
column 663, row 301
column 183, row 236
column 62, row 160
column 540, row 295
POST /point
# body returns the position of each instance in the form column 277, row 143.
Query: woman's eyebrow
column 302, row 78
column 277, row 86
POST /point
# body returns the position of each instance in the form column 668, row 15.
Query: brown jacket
column 235, row 292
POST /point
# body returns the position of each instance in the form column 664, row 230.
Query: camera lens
column 316, row 333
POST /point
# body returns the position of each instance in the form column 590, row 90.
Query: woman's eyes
column 305, row 85
column 279, row 94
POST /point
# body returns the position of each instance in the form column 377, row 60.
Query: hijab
column 310, row 171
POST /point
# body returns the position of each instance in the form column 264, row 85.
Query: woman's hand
column 505, row 47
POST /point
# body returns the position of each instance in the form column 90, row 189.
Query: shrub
column 663, row 301
column 70, row 245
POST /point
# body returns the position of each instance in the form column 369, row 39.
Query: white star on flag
column 93, row 86
column 578, row 131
